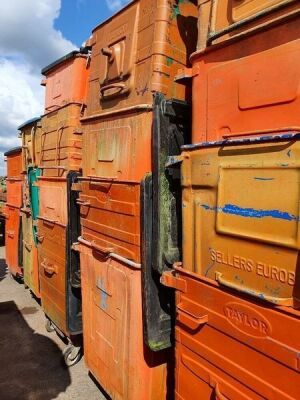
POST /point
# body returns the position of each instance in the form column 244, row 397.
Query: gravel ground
column 31, row 366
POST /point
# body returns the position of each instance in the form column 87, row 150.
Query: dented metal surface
column 59, row 142
column 240, row 222
column 229, row 346
column 138, row 51
column 221, row 20
column 13, row 224
column 113, row 329
column 66, row 81
column 236, row 90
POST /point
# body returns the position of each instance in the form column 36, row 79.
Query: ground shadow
column 30, row 364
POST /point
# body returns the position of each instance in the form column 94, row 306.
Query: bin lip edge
column 29, row 122
column 237, row 141
column 45, row 71
column 13, row 151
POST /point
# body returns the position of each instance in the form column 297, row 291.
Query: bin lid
column 13, row 151
column 29, row 122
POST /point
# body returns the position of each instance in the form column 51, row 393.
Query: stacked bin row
column 237, row 296
column 30, row 205
column 12, row 212
column 130, row 193
column 3, row 200
column 134, row 58
column 59, row 155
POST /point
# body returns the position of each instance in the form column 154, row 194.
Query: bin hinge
column 170, row 280
column 76, row 187
column 186, row 74
column 78, row 131
column 76, row 247
column 173, row 161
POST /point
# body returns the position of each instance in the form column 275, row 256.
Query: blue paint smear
column 252, row 213
column 263, row 179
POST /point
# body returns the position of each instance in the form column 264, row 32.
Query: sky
column 34, row 33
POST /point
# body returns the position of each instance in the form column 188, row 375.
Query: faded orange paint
column 236, row 89
column 14, row 163
column 66, row 81
column 13, row 229
column 59, row 142
column 135, row 54
column 138, row 51
column 222, row 20
column 52, row 271
column 240, row 224
column 30, row 254
column 29, row 133
column 118, row 147
column 12, row 240
column 113, row 330
column 53, row 199
column 14, row 191
column 110, row 216
column 231, row 347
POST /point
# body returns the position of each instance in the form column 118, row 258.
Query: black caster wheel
column 71, row 355
column 49, row 326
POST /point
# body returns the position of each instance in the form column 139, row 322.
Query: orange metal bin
column 137, row 52
column 14, row 162
column 113, row 328
column 59, row 142
column 13, row 230
column 236, row 90
column 135, row 56
column 30, row 254
column 28, row 134
column 13, row 240
column 118, row 148
column 221, row 20
column 231, row 347
column 112, row 193
column 14, row 191
column 58, row 228
column 66, row 80
column 110, row 217
column 241, row 215
column 52, row 256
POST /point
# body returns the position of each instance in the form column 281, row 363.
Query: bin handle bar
column 53, row 167
column 51, row 221
column 103, row 178
column 83, row 203
column 14, row 179
column 40, row 238
column 27, row 245
column 260, row 132
column 49, row 269
column 283, row 301
column 106, row 251
column 130, row 263
column 106, row 179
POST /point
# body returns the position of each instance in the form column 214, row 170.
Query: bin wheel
column 49, row 326
column 71, row 355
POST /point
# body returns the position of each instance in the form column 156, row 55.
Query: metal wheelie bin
column 13, row 223
column 59, row 155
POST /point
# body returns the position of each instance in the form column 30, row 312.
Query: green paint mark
column 176, row 8
column 169, row 61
